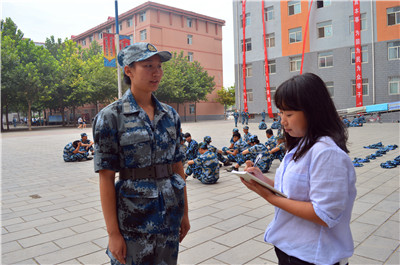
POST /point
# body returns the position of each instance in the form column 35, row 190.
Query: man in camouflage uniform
column 243, row 114
column 250, row 153
column 207, row 165
column 221, row 158
column 268, row 156
column 86, row 145
column 72, row 152
column 236, row 154
column 236, row 117
column 191, row 153
column 246, row 135
column 271, row 139
column 262, row 125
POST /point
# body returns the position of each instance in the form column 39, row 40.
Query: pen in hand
column 257, row 159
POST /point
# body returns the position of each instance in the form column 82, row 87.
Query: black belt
column 153, row 171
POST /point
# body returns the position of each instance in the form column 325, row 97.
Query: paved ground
column 51, row 212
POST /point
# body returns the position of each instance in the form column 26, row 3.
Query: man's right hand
column 117, row 247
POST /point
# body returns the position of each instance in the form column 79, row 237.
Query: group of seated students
column 79, row 150
column 204, row 160
column 358, row 121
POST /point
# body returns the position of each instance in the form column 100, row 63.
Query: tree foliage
column 226, row 96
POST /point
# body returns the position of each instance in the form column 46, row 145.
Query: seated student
column 236, row 154
column 262, row 125
column 191, row 152
column 86, row 144
column 206, row 164
column 221, row 158
column 356, row 122
column 246, row 135
column 251, row 153
column 277, row 152
column 271, row 139
column 346, row 122
column 72, row 152
column 362, row 118
column 224, row 149
column 277, row 125
column 183, row 147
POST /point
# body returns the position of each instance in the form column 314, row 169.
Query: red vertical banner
column 267, row 88
column 357, row 48
column 305, row 37
column 244, row 54
column 109, row 47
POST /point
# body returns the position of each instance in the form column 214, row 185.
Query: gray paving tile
column 243, row 253
column 28, row 253
column 378, row 248
column 66, row 254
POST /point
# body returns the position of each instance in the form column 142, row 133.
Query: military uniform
column 255, row 150
column 208, row 166
column 150, row 207
column 262, row 126
column 271, row 142
column 236, row 117
column 239, row 158
column 246, row 138
column 266, row 160
column 243, row 114
column 83, row 148
column 191, row 153
column 69, row 155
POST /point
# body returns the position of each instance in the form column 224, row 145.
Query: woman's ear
column 128, row 71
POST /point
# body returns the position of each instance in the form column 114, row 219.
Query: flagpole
column 117, row 50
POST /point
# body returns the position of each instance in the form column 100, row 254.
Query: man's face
column 188, row 139
column 84, row 138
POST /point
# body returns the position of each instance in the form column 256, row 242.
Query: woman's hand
column 117, row 247
column 185, row 227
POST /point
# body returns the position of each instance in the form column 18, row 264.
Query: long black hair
column 308, row 93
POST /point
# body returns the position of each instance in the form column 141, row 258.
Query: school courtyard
column 51, row 211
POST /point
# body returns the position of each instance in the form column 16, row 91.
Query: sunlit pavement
column 51, row 211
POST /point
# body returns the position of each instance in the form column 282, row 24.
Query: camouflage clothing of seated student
column 255, row 149
column 72, row 152
column 86, row 145
column 268, row 156
column 262, row 125
column 206, row 164
column 246, row 135
column 191, row 153
column 238, row 148
column 224, row 149
column 221, row 158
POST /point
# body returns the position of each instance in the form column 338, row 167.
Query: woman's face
column 294, row 122
column 145, row 75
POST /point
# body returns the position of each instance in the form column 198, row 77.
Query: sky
column 40, row 19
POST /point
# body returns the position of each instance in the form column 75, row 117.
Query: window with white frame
column 324, row 29
column 249, row 70
column 269, row 13
column 364, row 55
column 189, row 39
column 323, row 3
column 129, row 22
column 394, row 85
column 271, row 67
column 270, row 40
column 364, row 87
column 109, row 30
column 294, row 7
column 83, row 42
column 394, row 50
column 120, row 26
column 249, row 94
column 143, row 34
column 248, row 45
column 100, row 35
column 363, row 24
column 190, row 57
column 295, row 64
column 248, row 20
column 325, row 59
column 393, row 15
column 142, row 16
column 295, row 35
column 90, row 39
column 189, row 22
column 272, row 91
column 329, row 86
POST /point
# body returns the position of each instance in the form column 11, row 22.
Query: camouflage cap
column 203, row 145
column 207, row 139
column 253, row 138
column 246, row 127
column 140, row 51
column 83, row 134
column 235, row 130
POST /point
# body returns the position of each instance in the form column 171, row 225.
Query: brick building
column 175, row 30
column 329, row 49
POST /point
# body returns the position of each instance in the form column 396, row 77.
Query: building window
column 90, row 39
column 271, row 67
column 394, row 50
column 270, row 40
column 364, row 55
column 142, row 16
column 295, row 35
column 120, row 27
column 248, row 20
column 189, row 39
column 129, row 22
column 393, row 15
column 189, row 22
column 294, row 7
column 323, row 3
column 249, row 94
column 325, row 59
column 83, row 42
column 394, row 85
column 329, row 86
column 109, row 30
column 192, row 109
column 363, row 24
column 249, row 70
column 295, row 64
column 190, row 56
column 143, row 34
column 248, row 45
column 272, row 91
column 100, row 35
column 324, row 29
column 269, row 13
column 364, row 87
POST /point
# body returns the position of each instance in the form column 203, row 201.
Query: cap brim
column 164, row 56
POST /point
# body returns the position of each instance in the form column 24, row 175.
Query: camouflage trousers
column 75, row 157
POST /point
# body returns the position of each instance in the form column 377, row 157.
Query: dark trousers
column 285, row 259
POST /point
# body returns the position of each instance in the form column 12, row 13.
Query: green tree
column 226, row 96
column 184, row 81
